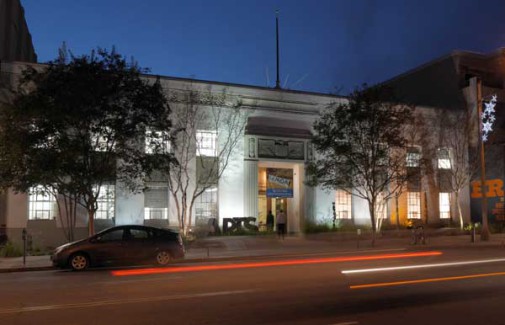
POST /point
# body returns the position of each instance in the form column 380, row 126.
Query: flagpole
column 277, row 82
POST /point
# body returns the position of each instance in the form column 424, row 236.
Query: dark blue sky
column 326, row 45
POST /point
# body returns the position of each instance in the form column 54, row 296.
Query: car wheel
column 79, row 262
column 163, row 258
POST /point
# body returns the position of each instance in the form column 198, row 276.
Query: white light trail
column 421, row 266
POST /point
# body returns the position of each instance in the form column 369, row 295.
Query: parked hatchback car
column 121, row 245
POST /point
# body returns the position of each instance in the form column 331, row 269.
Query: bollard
column 358, row 231
column 473, row 234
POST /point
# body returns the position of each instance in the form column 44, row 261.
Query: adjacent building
column 15, row 38
column 450, row 83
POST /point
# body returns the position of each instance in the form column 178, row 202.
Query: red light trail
column 199, row 268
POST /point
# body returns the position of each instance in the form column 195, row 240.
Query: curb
column 26, row 269
column 176, row 262
column 261, row 256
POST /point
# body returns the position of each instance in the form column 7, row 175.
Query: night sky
column 327, row 46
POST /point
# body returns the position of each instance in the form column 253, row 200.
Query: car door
column 107, row 247
column 139, row 244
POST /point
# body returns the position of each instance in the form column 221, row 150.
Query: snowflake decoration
column 488, row 118
column 489, row 109
column 487, row 127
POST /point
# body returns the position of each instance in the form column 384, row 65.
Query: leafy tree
column 78, row 123
column 360, row 147
column 198, row 169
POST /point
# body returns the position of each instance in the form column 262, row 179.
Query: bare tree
column 418, row 133
column 208, row 127
column 455, row 136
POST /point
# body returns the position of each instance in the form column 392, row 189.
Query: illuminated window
column 413, row 157
column 444, row 158
column 414, row 205
column 156, row 203
column 42, row 204
column 206, row 143
column 105, row 202
column 157, row 142
column 206, row 205
column 444, row 205
column 342, row 205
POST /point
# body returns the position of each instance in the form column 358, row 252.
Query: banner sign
column 279, row 182
column 495, row 200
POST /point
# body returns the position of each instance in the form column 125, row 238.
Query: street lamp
column 486, row 120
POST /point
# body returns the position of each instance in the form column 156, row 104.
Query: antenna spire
column 277, row 82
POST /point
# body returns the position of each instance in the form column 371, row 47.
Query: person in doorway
column 270, row 221
column 281, row 224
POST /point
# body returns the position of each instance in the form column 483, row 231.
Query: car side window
column 139, row 234
column 114, row 235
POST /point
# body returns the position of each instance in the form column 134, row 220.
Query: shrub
column 37, row 251
column 496, row 227
column 312, row 227
column 10, row 250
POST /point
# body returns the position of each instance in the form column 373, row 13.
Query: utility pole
column 484, row 234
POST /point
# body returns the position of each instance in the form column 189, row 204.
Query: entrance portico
column 269, row 153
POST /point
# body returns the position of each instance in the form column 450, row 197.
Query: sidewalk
column 247, row 247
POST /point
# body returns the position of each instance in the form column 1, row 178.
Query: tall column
column 309, row 196
column 251, row 188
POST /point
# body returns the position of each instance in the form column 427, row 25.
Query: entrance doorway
column 273, row 204
column 268, row 202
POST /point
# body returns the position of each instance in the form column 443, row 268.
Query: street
column 450, row 286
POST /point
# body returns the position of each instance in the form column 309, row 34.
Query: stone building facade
column 276, row 139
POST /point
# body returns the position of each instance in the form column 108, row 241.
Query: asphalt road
column 309, row 290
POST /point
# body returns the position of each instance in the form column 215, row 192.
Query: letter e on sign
column 476, row 190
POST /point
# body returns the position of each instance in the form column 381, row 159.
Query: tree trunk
column 397, row 214
column 426, row 212
column 74, row 217
column 190, row 212
column 372, row 217
column 178, row 209
column 91, row 222
column 184, row 214
column 67, row 223
column 69, row 214
column 460, row 214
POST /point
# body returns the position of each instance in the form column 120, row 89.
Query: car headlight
column 59, row 249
